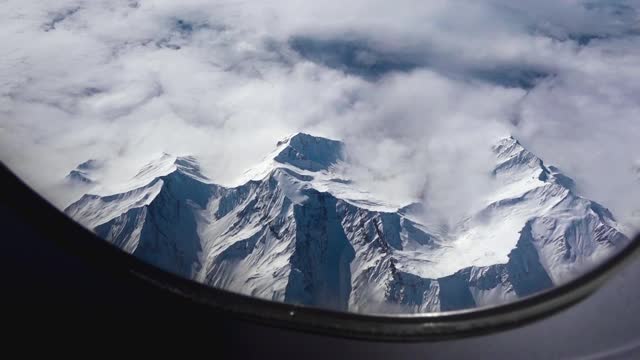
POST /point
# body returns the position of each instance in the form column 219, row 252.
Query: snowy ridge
column 294, row 230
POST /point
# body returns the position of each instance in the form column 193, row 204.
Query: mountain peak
column 308, row 152
column 512, row 156
column 84, row 173
column 91, row 164
column 79, row 177
column 167, row 164
column 296, row 137
column 189, row 165
column 507, row 143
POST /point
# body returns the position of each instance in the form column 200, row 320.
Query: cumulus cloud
column 419, row 90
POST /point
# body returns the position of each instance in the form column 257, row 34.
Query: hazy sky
column 416, row 88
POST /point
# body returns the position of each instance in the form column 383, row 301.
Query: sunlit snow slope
column 295, row 230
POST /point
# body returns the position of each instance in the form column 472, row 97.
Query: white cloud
column 416, row 88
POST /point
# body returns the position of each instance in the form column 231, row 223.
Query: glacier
column 294, row 229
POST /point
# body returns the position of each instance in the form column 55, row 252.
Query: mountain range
column 296, row 230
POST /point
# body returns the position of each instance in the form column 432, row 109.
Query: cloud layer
column 419, row 90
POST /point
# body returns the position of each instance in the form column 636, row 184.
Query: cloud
column 418, row 89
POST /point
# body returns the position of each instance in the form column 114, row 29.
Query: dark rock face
column 311, row 153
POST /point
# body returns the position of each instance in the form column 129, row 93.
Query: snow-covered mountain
column 296, row 230
column 84, row 174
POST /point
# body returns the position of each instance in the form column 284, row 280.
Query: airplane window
column 365, row 157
